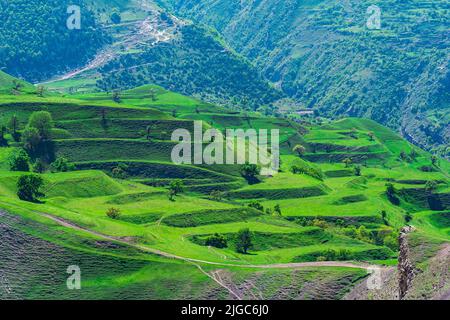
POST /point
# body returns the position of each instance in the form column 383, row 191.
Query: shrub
column 216, row 195
column 217, row 241
column 320, row 223
column 308, row 170
column 113, row 213
column 39, row 166
column 28, row 188
column 256, row 205
column 62, row 165
column 299, row 149
column 19, row 161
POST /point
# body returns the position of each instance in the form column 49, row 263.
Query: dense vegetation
column 322, row 54
column 35, row 42
column 195, row 63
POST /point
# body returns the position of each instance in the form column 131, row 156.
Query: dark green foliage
column 277, row 210
column 243, row 241
column 113, row 213
column 256, row 205
column 311, row 171
column 408, row 217
column 391, row 194
column 351, row 199
column 19, row 161
column 28, row 188
column 3, row 141
column 39, row 166
column 14, row 126
column 35, row 42
column 345, row 255
column 278, row 194
column 212, row 71
column 249, row 172
column 61, row 164
column 43, row 122
column 217, row 241
column 280, row 37
column 176, row 187
column 120, row 171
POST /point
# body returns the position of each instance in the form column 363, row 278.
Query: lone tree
column 371, row 136
column 113, row 213
column 243, row 241
column 28, row 188
column 277, row 210
column 347, row 162
column 152, row 94
column 249, row 172
column 175, row 188
column 43, row 122
column 299, row 149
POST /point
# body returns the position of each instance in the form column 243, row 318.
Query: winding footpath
column 62, row 222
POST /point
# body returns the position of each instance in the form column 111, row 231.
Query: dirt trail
column 149, row 31
column 67, row 224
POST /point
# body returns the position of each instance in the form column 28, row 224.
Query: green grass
column 180, row 226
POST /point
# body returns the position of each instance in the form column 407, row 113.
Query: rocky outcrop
column 406, row 270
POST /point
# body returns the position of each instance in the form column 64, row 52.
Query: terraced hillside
column 323, row 54
column 332, row 210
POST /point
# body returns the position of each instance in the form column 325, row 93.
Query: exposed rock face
column 406, row 270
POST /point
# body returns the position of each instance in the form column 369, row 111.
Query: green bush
column 19, row 161
column 217, row 241
column 28, row 188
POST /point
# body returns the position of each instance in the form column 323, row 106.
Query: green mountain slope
column 332, row 199
column 147, row 46
column 322, row 54
column 35, row 42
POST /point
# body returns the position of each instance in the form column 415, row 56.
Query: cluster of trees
column 258, row 206
column 36, row 154
column 242, row 240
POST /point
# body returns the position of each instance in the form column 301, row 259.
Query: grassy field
column 335, row 214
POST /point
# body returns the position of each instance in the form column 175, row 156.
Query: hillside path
column 347, row 264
